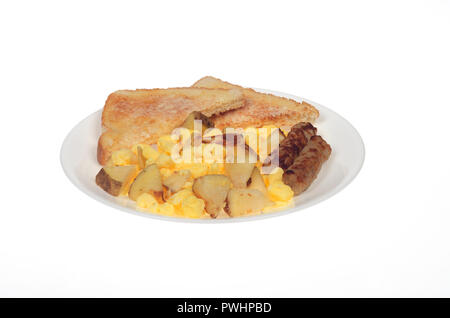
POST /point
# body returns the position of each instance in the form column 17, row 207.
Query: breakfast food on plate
column 292, row 145
column 177, row 180
column 256, row 181
column 242, row 202
column 260, row 109
column 202, row 152
column 114, row 180
column 306, row 166
column 147, row 181
column 192, row 117
column 213, row 189
column 140, row 116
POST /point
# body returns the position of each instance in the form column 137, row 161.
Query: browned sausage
column 306, row 166
column 292, row 145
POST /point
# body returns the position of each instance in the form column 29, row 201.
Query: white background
column 384, row 65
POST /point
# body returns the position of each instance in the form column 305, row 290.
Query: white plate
column 78, row 159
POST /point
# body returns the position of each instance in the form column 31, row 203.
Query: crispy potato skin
column 104, row 181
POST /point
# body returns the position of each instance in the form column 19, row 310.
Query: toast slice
column 141, row 116
column 260, row 109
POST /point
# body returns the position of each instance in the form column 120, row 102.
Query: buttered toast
column 260, row 109
column 141, row 116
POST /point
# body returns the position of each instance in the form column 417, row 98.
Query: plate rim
column 319, row 199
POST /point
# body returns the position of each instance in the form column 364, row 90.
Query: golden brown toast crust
column 260, row 108
column 141, row 116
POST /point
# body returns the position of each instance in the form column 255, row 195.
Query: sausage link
column 292, row 145
column 306, row 166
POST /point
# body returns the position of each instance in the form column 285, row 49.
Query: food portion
column 241, row 202
column 260, row 109
column 176, row 153
column 148, row 181
column 256, row 181
column 306, row 166
column 213, row 189
column 141, row 116
column 292, row 145
column 205, row 121
column 115, row 180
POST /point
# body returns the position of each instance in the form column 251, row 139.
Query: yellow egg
column 164, row 161
column 179, row 196
column 123, row 157
column 193, row 207
column 198, row 170
column 150, row 153
column 276, row 175
column 166, row 209
column 147, row 202
column 285, row 130
column 166, row 143
column 278, row 191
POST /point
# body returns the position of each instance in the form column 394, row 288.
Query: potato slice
column 140, row 157
column 239, row 173
column 189, row 121
column 147, row 181
column 213, row 189
column 245, row 201
column 113, row 179
column 176, row 180
column 240, row 161
column 256, row 181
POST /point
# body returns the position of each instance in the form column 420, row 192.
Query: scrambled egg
column 164, row 161
column 208, row 160
column 183, row 203
column 166, row 143
column 123, row 157
column 149, row 153
column 147, row 202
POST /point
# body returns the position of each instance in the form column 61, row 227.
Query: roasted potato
column 147, row 181
column 192, row 117
column 245, row 201
column 213, row 189
column 114, row 179
column 239, row 173
column 240, row 161
column 176, row 181
column 256, row 181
